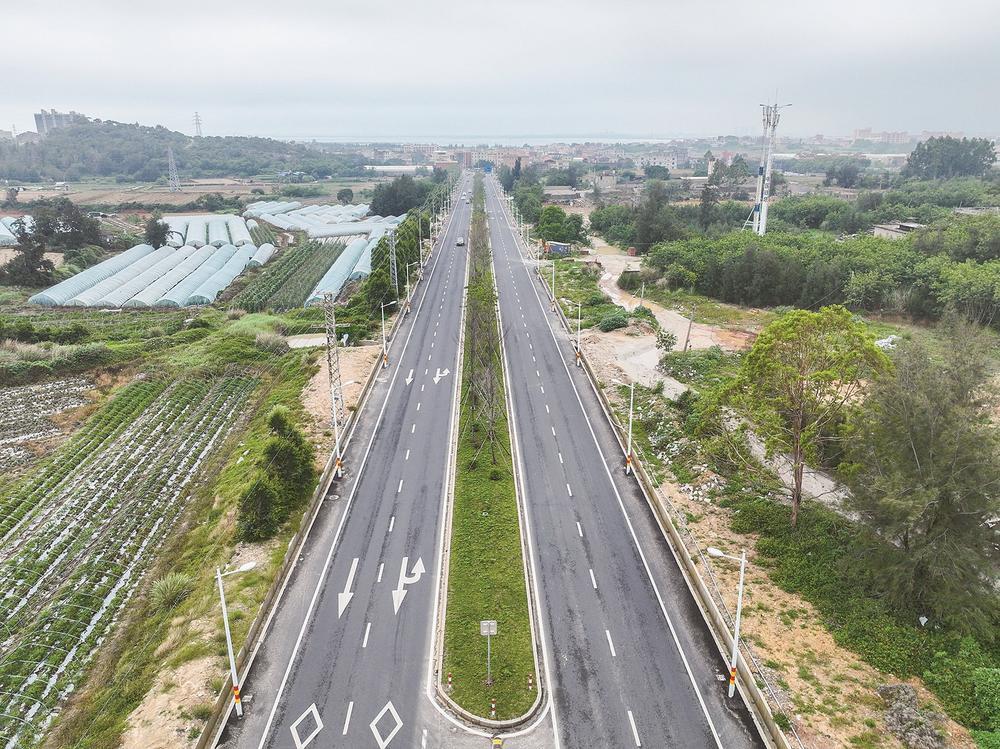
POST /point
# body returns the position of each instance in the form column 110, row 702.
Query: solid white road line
column 368, row 629
column 593, row 579
column 611, row 644
column 635, row 732
column 347, row 720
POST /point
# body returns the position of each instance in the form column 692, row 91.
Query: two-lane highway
column 345, row 661
column 632, row 662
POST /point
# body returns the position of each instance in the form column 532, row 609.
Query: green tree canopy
column 924, row 468
column 804, row 371
column 945, row 157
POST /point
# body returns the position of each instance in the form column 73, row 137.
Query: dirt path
column 701, row 336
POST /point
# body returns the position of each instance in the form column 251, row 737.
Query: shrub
column 613, row 320
column 260, row 510
column 170, row 590
column 271, row 342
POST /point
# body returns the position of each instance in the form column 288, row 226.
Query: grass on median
column 485, row 577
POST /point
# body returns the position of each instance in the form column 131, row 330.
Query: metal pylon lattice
column 392, row 262
column 173, row 178
column 333, row 360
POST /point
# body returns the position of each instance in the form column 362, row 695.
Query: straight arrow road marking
column 409, row 377
column 345, row 598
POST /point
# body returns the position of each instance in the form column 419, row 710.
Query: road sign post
column 488, row 629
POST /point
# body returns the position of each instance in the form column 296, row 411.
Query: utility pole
column 553, row 283
column 219, row 574
column 742, row 559
column 579, row 319
column 385, row 344
column 336, row 391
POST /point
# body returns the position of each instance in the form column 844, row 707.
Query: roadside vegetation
column 902, row 572
column 485, row 575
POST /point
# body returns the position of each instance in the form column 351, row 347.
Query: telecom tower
column 197, row 124
column 758, row 218
column 172, row 177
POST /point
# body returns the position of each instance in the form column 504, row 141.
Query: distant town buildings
column 46, row 122
column 896, row 230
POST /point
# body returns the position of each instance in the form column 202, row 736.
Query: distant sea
column 469, row 141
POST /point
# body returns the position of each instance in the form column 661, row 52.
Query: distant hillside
column 139, row 153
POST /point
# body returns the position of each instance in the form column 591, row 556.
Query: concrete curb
column 747, row 684
column 223, row 705
column 442, row 695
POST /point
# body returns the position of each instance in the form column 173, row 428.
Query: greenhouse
column 209, row 290
column 88, row 297
column 218, row 232
column 178, row 295
column 197, row 231
column 65, row 290
column 149, row 296
column 340, row 272
column 262, row 255
column 126, row 291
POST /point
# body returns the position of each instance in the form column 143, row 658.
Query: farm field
column 286, row 282
column 26, row 416
column 77, row 535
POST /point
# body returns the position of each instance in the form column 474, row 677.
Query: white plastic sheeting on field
column 251, row 224
column 262, row 255
column 197, row 231
column 358, row 227
column 88, row 297
column 178, row 296
column 218, row 233
column 178, row 227
column 238, row 231
column 7, row 226
column 66, row 290
column 274, row 207
column 152, row 293
column 339, row 273
column 209, row 290
column 7, row 238
column 126, row 291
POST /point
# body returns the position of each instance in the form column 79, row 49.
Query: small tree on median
column 804, row 370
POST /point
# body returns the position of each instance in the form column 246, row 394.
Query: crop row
column 262, row 234
column 298, row 269
column 70, row 565
column 25, row 411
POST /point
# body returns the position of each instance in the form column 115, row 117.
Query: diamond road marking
column 384, row 742
column 300, row 743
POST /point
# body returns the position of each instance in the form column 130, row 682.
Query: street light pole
column 628, row 451
column 579, row 319
column 742, row 559
column 219, row 574
column 553, row 283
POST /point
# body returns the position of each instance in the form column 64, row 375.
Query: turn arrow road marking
column 400, row 592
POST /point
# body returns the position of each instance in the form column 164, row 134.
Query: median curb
column 443, row 697
column 747, row 683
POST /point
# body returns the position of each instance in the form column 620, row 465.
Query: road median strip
column 487, row 616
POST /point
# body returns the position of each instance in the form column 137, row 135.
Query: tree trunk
column 797, row 469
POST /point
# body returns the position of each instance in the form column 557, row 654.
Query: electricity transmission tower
column 770, row 115
column 336, row 391
column 172, row 177
column 197, row 124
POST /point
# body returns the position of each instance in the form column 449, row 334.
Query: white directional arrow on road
column 345, row 598
column 409, row 377
column 439, row 374
column 400, row 592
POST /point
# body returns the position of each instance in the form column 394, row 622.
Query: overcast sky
column 426, row 68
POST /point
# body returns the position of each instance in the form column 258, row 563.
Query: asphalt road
column 630, row 657
column 346, row 659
